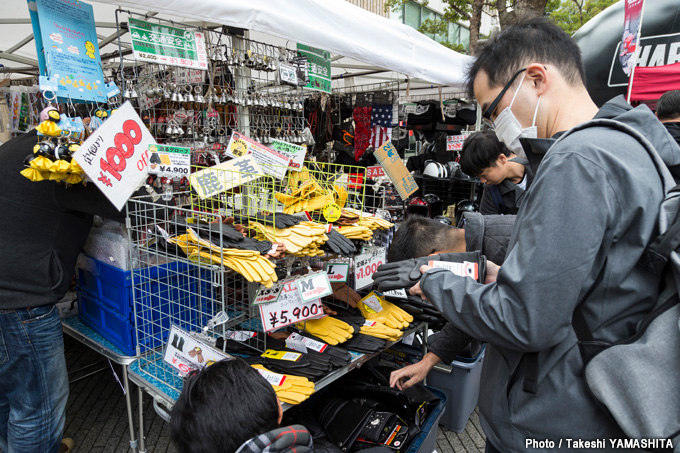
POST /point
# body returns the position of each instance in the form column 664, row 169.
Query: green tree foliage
column 570, row 15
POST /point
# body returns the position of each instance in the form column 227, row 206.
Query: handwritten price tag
column 288, row 309
column 337, row 272
column 365, row 266
column 116, row 155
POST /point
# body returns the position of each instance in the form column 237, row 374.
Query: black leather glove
column 339, row 244
column 279, row 220
column 405, row 274
column 338, row 356
column 365, row 343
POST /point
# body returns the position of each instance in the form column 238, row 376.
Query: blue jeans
column 33, row 380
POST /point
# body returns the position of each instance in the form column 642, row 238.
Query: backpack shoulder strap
column 497, row 198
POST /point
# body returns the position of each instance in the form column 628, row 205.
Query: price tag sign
column 308, row 342
column 272, row 162
column 288, row 309
column 268, row 295
column 273, row 378
column 314, row 286
column 375, row 172
column 365, row 266
column 337, row 272
column 116, row 155
column 282, row 355
column 295, row 153
column 186, row 353
column 455, row 142
column 464, row 269
column 224, row 176
column 372, row 302
column 169, row 161
column 396, row 293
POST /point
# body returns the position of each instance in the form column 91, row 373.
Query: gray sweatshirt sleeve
column 557, row 245
column 449, row 343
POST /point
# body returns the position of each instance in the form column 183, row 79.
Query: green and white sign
column 318, row 66
column 172, row 46
column 169, row 161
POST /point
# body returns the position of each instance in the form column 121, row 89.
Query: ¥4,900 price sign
column 169, row 161
column 288, row 309
column 116, row 155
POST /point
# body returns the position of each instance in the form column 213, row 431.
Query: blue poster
column 68, row 51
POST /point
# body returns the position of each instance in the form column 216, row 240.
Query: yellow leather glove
column 390, row 315
column 292, row 389
column 380, row 330
column 331, row 330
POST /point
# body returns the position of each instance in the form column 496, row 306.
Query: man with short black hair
column 506, row 175
column 228, row 407
column 583, row 227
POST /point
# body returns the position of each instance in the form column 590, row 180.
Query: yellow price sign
column 331, row 212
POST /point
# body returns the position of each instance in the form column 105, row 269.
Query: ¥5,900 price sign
column 116, row 155
column 288, row 309
column 365, row 266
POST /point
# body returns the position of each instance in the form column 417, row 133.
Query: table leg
column 140, row 395
column 128, row 403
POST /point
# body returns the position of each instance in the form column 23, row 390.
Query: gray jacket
column 593, row 205
column 490, row 235
column 511, row 193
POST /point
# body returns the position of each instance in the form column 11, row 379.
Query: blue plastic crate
column 167, row 294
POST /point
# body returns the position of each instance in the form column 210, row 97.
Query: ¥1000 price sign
column 116, row 155
column 288, row 309
column 365, row 266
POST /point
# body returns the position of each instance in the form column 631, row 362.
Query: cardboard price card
column 365, row 265
column 116, row 155
column 225, row 176
column 288, row 309
column 314, row 286
column 389, row 159
column 272, row 162
column 337, row 272
column 295, row 153
column 187, row 353
column 464, row 269
column 170, row 161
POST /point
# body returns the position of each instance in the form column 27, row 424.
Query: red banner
column 631, row 34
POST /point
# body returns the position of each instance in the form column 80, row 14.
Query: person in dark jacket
column 229, row 407
column 505, row 175
column 668, row 112
column 44, row 227
column 584, row 224
column 420, row 236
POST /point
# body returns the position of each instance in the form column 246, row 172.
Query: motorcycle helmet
column 435, row 169
column 435, row 203
column 419, row 207
column 465, row 206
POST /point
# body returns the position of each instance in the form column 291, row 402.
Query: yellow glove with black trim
column 331, row 330
column 292, row 389
column 390, row 315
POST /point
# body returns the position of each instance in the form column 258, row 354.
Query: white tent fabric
column 334, row 25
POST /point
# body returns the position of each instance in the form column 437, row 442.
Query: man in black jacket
column 420, row 236
column 668, row 112
column 44, row 227
column 505, row 175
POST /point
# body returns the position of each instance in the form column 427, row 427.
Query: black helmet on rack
column 436, row 204
column 465, row 206
column 418, row 206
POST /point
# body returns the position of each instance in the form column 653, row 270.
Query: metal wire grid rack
column 200, row 107
column 171, row 289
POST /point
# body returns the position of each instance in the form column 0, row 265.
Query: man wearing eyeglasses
column 583, row 226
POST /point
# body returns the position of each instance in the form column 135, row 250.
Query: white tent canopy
column 333, row 25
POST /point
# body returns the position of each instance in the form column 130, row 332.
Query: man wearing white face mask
column 582, row 229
